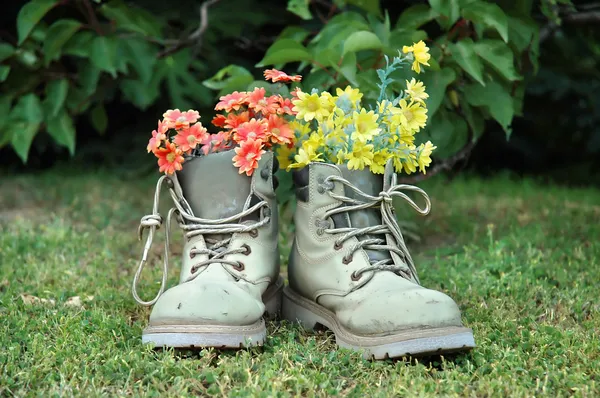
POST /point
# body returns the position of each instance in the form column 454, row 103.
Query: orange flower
column 247, row 156
column 285, row 106
column 219, row 120
column 259, row 103
column 163, row 126
column 278, row 76
column 280, row 131
column 170, row 158
column 188, row 139
column 254, row 129
column 232, row 101
column 178, row 120
column 234, row 120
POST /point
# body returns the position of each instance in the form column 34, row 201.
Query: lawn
column 521, row 259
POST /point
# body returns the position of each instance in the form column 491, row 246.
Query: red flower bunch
column 252, row 123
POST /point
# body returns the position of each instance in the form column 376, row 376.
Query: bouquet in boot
column 307, row 127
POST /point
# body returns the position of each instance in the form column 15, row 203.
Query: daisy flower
column 280, row 131
column 231, row 101
column 175, row 119
column 219, row 120
column 247, row 156
column 259, row 103
column 420, row 53
column 158, row 136
column 253, row 129
column 170, row 158
column 188, row 139
column 233, row 120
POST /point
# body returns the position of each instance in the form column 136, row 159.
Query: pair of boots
column 349, row 269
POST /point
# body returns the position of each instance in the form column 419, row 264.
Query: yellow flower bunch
column 339, row 130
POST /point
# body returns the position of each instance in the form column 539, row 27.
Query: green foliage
column 61, row 68
column 477, row 68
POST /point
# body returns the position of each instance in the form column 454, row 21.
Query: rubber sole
column 217, row 336
column 422, row 342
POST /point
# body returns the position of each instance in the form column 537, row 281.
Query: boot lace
column 389, row 226
column 216, row 250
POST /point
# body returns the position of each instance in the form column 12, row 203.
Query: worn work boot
column 230, row 270
column 351, row 272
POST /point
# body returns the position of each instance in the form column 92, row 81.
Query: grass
column 521, row 259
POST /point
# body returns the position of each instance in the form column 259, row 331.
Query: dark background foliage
column 557, row 137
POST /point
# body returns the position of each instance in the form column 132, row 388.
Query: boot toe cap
column 206, row 303
column 388, row 311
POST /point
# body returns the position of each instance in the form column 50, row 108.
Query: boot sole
column 421, row 342
column 217, row 336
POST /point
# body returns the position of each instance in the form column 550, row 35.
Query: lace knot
column 151, row 220
column 386, row 197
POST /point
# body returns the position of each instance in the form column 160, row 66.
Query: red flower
column 247, row 156
column 234, row 120
column 278, row 76
column 259, row 103
column 285, row 106
column 219, row 120
column 170, row 158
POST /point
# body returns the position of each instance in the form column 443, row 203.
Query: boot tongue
column 213, row 187
column 370, row 184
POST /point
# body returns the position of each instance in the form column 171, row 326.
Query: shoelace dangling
column 389, row 225
column 193, row 226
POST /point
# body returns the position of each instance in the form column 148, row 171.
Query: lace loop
column 389, row 226
column 217, row 249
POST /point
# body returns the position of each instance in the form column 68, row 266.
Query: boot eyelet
column 320, row 179
column 346, row 260
column 338, row 246
column 247, row 249
column 320, row 189
column 192, row 255
column 239, row 267
column 264, row 173
column 253, row 233
column 355, row 277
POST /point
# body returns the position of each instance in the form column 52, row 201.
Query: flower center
column 408, row 115
column 191, row 139
column 171, row 157
column 313, row 106
column 275, row 131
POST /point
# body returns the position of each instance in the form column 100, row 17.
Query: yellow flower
column 380, row 159
column 365, row 124
column 410, row 164
column 353, row 95
column 305, row 156
column 424, row 156
column 413, row 116
column 361, row 156
column 284, row 156
column 301, row 129
column 328, row 100
column 311, row 106
column 416, row 90
column 421, row 54
column 314, row 141
column 406, row 136
column 385, row 107
column 340, row 156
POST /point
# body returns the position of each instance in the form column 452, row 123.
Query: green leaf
column 522, row 32
column 131, row 18
column 59, row 33
column 28, row 108
column 4, row 72
column 489, row 15
column 142, row 56
column 5, row 105
column 448, row 131
column 89, row 75
column 30, row 15
column 21, row 135
column 284, row 51
column 496, row 99
column 436, row 84
column 499, row 56
column 61, row 128
column 294, row 33
column 138, row 93
column 104, row 53
column 362, row 40
column 99, row 119
column 348, row 68
column 370, row 6
column 464, row 55
column 6, row 51
column 56, row 93
column 229, row 79
column 416, row 16
column 474, row 119
column 79, row 45
column 448, row 11
column 300, row 8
